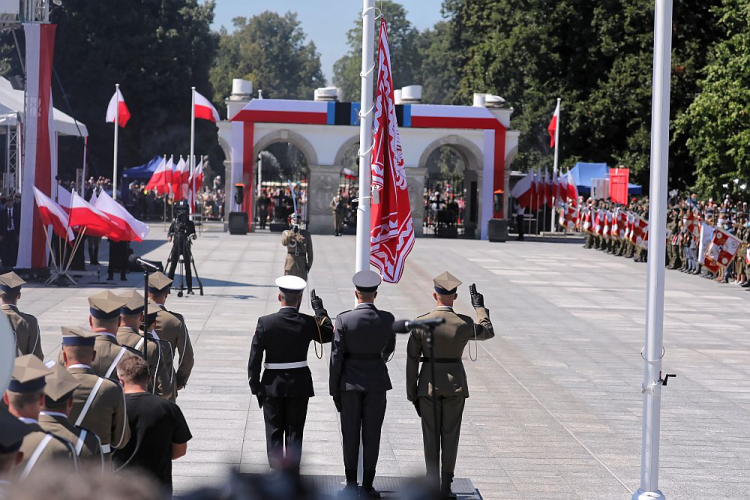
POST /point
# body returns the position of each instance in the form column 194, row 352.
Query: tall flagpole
column 652, row 352
column 365, row 135
column 117, row 130
column 192, row 147
column 554, row 167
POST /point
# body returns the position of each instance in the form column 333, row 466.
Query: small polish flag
column 53, row 215
column 553, row 126
column 135, row 230
column 83, row 214
column 161, row 178
column 118, row 109
column 205, row 110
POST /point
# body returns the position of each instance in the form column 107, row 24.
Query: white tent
column 11, row 109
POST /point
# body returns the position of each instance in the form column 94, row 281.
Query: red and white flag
column 180, row 178
column 723, row 247
column 205, row 110
column 392, row 232
column 118, row 110
column 523, row 191
column 562, row 189
column 639, row 232
column 706, row 237
column 135, row 230
column 349, row 174
column 53, row 215
column 552, row 128
column 588, row 224
column 568, row 217
column 83, row 214
column 64, row 198
column 572, row 189
column 692, row 225
column 196, row 179
column 159, row 179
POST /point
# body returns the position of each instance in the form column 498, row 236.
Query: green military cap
column 133, row 303
column 446, row 283
column 60, row 384
column 10, row 282
column 366, row 281
column 105, row 305
column 12, row 432
column 28, row 374
column 158, row 282
column 74, row 336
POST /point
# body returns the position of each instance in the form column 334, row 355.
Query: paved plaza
column 555, row 400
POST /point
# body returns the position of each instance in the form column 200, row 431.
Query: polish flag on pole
column 524, row 190
column 552, row 128
column 118, row 110
column 180, row 178
column 64, row 198
column 135, row 230
column 391, row 228
column 83, row 214
column 195, row 183
column 158, row 181
column 53, row 215
column 572, row 189
column 205, row 110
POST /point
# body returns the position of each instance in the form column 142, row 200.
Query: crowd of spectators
column 443, row 207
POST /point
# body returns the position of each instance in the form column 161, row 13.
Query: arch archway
column 451, row 197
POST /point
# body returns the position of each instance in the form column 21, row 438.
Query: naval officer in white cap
column 286, row 386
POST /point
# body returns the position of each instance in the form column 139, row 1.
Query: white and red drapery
column 40, row 143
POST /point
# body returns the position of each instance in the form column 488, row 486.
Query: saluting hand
column 315, row 301
column 477, row 299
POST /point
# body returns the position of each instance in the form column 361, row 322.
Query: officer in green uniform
column 12, row 432
column 24, row 326
column 298, row 242
column 448, row 392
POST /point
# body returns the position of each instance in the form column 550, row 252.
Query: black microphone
column 405, row 326
column 134, row 259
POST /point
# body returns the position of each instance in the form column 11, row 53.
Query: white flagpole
column 362, row 261
column 652, row 352
column 117, row 127
column 192, row 147
column 554, row 167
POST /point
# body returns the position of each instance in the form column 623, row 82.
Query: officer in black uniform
column 286, row 385
column 363, row 342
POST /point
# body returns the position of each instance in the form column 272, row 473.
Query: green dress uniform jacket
column 105, row 414
column 109, row 353
column 26, row 328
column 170, row 327
column 450, row 340
column 162, row 380
column 299, row 256
column 86, row 444
column 43, row 448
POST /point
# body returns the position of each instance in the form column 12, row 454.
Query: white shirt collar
column 53, row 414
column 28, row 420
column 79, row 365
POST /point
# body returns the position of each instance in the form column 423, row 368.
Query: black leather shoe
column 369, row 492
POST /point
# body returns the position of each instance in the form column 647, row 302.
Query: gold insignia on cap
column 159, row 281
column 28, row 368
column 106, row 302
column 60, row 383
column 11, row 280
column 446, row 281
column 133, row 300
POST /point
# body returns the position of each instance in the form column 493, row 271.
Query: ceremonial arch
column 327, row 134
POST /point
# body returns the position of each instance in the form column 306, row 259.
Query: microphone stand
column 145, row 315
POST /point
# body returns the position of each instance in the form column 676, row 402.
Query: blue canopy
column 584, row 172
column 143, row 171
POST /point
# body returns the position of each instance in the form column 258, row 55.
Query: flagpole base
column 648, row 495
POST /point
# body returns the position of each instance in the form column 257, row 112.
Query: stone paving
column 555, row 401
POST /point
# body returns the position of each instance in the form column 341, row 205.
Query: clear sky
column 325, row 21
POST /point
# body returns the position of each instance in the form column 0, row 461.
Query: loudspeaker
column 238, row 222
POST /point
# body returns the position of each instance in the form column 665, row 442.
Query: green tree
column 717, row 124
column 156, row 50
column 270, row 50
column 403, row 41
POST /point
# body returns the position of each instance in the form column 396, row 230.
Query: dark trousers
column 285, row 424
column 362, row 413
column 519, row 225
column 93, row 244
column 174, row 258
column 9, row 247
column 450, row 411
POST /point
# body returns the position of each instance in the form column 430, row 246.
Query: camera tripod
column 181, row 254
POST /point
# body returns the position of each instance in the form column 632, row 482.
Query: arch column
column 415, row 182
column 322, row 185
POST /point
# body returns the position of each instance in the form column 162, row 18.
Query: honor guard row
column 363, row 342
column 25, row 326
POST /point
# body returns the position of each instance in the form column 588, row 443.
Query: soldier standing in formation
column 448, row 392
column 286, row 387
column 298, row 242
column 25, row 398
column 171, row 328
column 363, row 342
column 338, row 207
column 98, row 402
column 24, row 326
column 58, row 402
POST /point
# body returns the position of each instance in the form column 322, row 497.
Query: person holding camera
column 298, row 242
column 181, row 231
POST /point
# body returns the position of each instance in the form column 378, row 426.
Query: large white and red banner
column 40, row 144
column 391, row 229
column 131, row 228
column 53, row 215
column 723, row 247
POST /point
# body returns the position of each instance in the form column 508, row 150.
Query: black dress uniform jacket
column 285, row 337
column 363, row 342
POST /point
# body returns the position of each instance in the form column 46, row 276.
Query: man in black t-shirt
column 158, row 428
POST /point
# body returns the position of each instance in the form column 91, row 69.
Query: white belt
column 285, row 366
column 106, row 449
